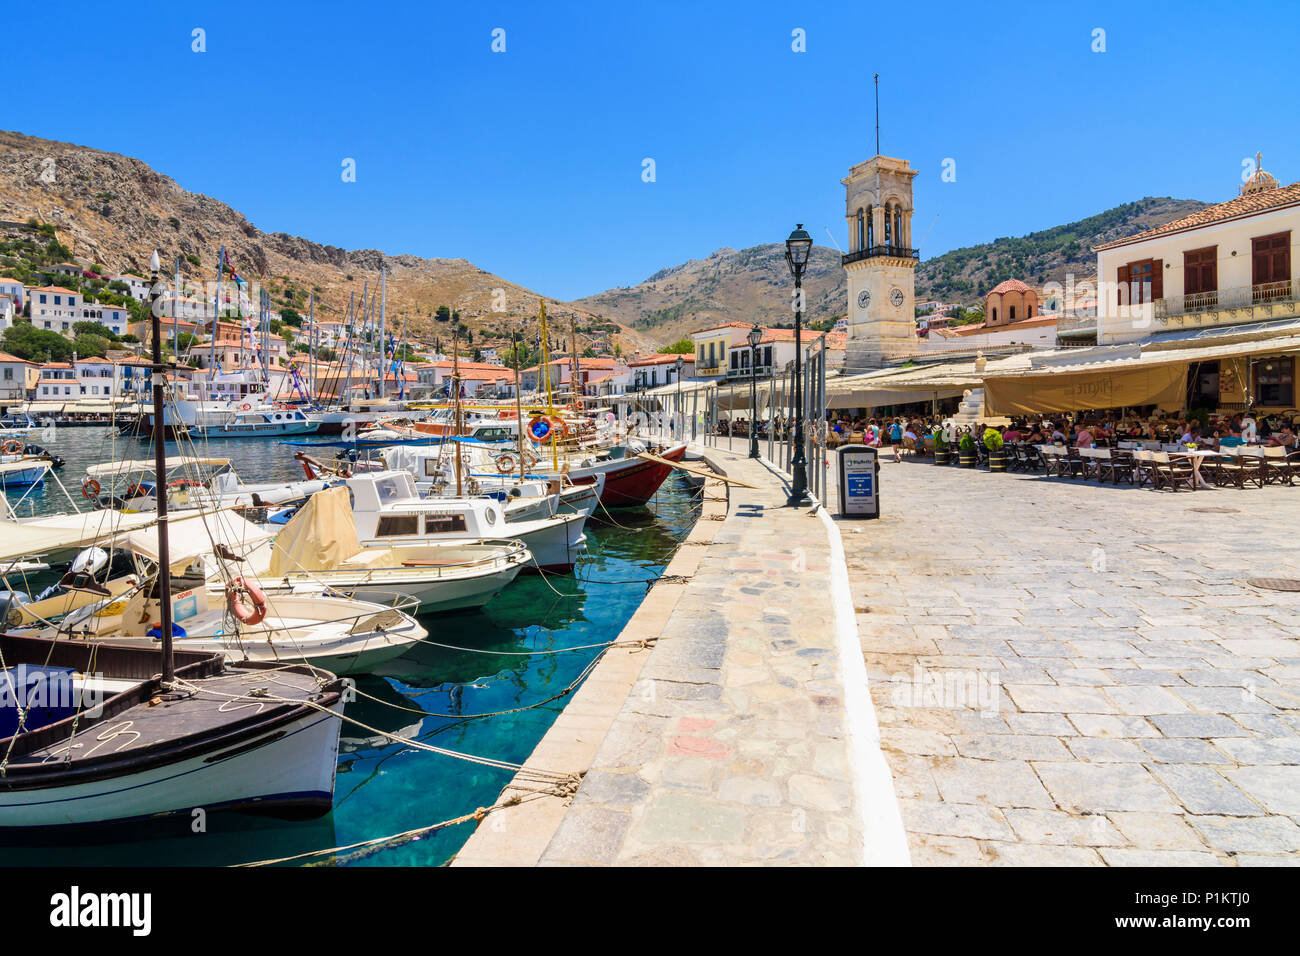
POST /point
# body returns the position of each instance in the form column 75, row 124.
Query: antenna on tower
column 877, row 78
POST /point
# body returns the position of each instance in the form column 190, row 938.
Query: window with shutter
column 1201, row 271
column 1271, row 263
column 1121, row 286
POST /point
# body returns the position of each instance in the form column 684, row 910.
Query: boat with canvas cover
column 220, row 605
column 317, row 549
column 97, row 733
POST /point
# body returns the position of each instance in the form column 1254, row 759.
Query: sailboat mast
column 519, row 412
column 311, row 342
column 216, row 315
column 575, row 366
column 546, row 365
column 351, row 347
column 457, row 425
column 159, row 379
column 383, row 314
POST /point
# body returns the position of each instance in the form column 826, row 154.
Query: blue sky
column 529, row 162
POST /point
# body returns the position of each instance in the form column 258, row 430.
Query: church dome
column 1259, row 181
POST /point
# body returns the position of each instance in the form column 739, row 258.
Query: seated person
column 1232, row 439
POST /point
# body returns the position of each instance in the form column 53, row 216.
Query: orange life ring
column 90, row 489
column 241, row 611
column 184, row 483
column 505, row 463
column 246, row 407
column 563, row 426
column 12, row 447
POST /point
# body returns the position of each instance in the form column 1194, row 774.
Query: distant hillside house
column 116, row 318
column 138, row 286
column 55, row 308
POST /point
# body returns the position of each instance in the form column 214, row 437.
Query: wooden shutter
column 1157, row 279
column 1123, row 293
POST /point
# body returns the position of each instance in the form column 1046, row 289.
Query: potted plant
column 941, row 452
column 997, row 454
column 966, row 451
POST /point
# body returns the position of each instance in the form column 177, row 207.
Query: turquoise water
column 384, row 787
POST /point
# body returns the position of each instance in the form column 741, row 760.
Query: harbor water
column 510, row 654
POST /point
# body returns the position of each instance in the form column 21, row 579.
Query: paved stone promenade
column 1073, row 674
column 730, row 747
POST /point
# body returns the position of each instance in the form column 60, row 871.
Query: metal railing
column 742, row 372
column 1217, row 300
column 872, row 252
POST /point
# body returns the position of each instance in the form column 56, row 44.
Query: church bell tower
column 880, row 264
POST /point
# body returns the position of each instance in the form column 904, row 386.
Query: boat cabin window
column 431, row 469
column 492, row 434
column 391, row 489
column 396, row 525
column 444, row 524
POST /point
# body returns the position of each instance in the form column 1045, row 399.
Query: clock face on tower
column 864, row 299
column 896, row 297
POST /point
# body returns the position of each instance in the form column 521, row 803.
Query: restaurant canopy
column 1124, row 376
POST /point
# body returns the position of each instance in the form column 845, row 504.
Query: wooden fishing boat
column 105, row 740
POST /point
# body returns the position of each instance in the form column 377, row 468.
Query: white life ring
column 246, row 407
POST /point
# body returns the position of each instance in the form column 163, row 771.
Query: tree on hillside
column 90, row 344
column 36, row 345
column 680, row 347
column 443, row 314
column 94, row 328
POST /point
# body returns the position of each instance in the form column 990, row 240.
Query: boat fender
column 89, row 488
column 90, row 561
column 241, row 611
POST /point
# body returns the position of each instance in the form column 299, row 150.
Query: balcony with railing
column 872, row 252
column 1229, row 306
column 742, row 372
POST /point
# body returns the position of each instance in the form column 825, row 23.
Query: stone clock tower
column 880, row 263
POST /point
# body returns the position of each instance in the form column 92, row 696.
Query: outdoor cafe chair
column 1279, row 467
column 1114, row 465
column 1237, row 467
column 1033, row 458
column 1171, row 473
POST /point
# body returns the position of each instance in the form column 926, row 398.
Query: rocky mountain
column 754, row 285
column 114, row 210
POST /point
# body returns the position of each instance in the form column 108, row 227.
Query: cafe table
column 1196, row 456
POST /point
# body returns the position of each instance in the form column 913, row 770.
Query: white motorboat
column 389, row 512
column 255, row 423
column 318, row 549
column 522, row 499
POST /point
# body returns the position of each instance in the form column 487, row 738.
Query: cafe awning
column 1068, row 391
column 1135, row 375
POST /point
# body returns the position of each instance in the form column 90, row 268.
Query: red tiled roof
column 6, row 357
column 1010, row 285
column 661, row 358
column 725, row 325
column 1248, row 205
column 54, row 288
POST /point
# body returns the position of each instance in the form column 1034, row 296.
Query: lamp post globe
column 754, row 337
column 797, row 249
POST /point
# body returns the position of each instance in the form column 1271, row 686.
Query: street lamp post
column 797, row 249
column 754, row 337
column 677, row 419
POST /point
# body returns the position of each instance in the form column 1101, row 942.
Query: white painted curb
column 884, row 839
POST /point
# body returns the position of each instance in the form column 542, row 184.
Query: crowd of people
column 1215, row 432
